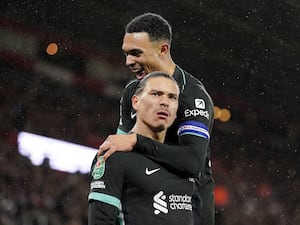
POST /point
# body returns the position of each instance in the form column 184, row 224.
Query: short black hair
column 143, row 82
column 155, row 25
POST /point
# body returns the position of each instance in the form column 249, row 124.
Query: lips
column 162, row 114
column 139, row 73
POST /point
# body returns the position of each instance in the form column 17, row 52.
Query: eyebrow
column 168, row 93
column 133, row 51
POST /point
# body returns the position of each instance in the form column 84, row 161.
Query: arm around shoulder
column 188, row 153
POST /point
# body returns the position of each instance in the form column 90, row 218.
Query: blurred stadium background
column 62, row 73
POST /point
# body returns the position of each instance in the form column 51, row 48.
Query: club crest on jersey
column 99, row 168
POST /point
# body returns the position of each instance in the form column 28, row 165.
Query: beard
column 158, row 128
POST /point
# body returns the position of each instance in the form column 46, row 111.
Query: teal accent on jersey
column 131, row 82
column 121, row 219
column 183, row 79
column 105, row 198
column 119, row 131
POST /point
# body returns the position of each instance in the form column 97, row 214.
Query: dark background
column 246, row 53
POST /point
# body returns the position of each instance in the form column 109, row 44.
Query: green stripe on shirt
column 119, row 131
column 105, row 198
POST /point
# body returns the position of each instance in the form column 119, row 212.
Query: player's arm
column 188, row 157
column 127, row 118
column 193, row 133
column 106, row 181
column 122, row 141
column 101, row 214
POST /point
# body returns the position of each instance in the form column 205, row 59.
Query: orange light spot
column 217, row 112
column 221, row 196
column 225, row 115
column 52, row 48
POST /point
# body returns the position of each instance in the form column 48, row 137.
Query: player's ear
column 164, row 48
column 135, row 101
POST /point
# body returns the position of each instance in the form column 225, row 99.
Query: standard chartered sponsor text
column 180, row 202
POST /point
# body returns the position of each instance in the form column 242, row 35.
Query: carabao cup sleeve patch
column 99, row 168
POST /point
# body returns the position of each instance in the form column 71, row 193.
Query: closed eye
column 133, row 52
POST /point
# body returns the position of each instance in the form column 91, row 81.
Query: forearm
column 188, row 158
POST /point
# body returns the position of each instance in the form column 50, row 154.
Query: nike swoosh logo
column 132, row 115
column 149, row 172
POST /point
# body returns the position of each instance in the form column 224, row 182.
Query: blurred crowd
column 252, row 188
column 49, row 107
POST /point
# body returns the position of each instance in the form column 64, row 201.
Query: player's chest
column 150, row 177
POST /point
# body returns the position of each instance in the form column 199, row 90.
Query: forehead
column 139, row 40
column 161, row 84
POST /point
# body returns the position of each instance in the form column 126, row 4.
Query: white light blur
column 62, row 155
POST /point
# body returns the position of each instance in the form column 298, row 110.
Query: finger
column 107, row 154
column 99, row 151
column 102, row 148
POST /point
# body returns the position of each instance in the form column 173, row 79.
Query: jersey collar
column 180, row 76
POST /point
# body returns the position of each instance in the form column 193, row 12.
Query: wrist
column 137, row 140
column 134, row 139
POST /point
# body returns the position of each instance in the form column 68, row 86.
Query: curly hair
column 155, row 25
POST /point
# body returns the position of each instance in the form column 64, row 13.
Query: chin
column 159, row 128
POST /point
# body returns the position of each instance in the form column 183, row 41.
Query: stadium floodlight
column 62, row 155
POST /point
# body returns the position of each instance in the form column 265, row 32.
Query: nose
column 130, row 60
column 164, row 100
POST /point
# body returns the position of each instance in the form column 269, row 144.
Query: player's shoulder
column 192, row 81
column 117, row 161
column 124, row 156
column 194, row 91
column 125, row 160
column 130, row 88
column 194, row 85
column 131, row 84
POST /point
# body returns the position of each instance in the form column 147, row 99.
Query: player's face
column 157, row 105
column 142, row 55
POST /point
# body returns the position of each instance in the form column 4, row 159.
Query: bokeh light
column 224, row 115
column 52, row 48
column 217, row 112
column 221, row 195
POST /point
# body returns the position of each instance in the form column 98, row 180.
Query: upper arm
column 106, row 185
column 195, row 121
column 127, row 118
column 195, row 116
column 100, row 213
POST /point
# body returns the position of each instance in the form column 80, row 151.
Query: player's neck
column 168, row 66
column 150, row 133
